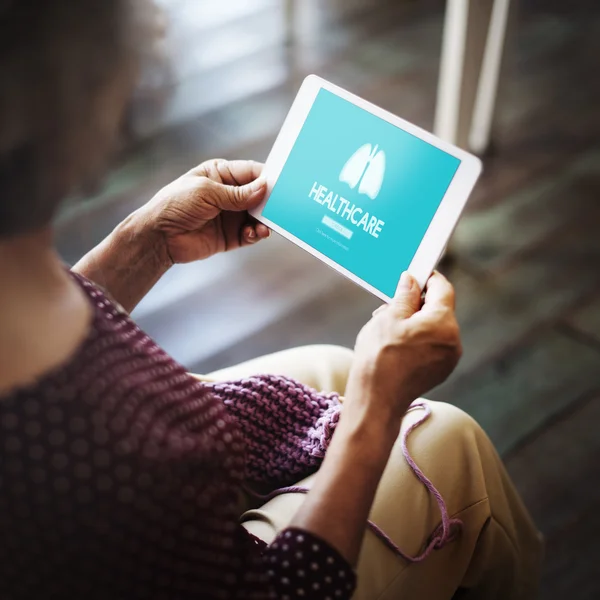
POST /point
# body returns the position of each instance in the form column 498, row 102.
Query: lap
column 405, row 510
column 498, row 552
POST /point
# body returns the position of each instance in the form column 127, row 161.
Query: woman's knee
column 455, row 452
column 452, row 450
column 446, row 426
column 477, row 489
column 449, row 425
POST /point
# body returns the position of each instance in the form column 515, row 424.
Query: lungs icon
column 365, row 168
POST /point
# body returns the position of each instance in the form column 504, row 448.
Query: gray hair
column 66, row 68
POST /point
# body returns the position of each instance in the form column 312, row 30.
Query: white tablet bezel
column 440, row 229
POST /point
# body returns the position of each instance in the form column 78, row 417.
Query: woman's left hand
column 205, row 211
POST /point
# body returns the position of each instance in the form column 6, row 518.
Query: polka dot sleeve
column 301, row 565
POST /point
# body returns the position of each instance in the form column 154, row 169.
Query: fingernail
column 262, row 231
column 406, row 281
column 251, row 234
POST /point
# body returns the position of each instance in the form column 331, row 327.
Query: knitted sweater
column 121, row 476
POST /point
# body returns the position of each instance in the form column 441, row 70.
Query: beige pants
column 497, row 555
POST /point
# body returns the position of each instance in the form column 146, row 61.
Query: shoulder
column 95, row 291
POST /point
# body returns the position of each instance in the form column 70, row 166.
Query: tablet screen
column 360, row 190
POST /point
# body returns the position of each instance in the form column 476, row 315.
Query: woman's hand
column 205, row 211
column 401, row 353
column 405, row 349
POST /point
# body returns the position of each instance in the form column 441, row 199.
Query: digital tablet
column 367, row 192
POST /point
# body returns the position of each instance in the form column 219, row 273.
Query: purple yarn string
column 442, row 535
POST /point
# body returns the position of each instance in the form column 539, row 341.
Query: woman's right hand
column 401, row 353
column 405, row 350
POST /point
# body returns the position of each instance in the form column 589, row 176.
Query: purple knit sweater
column 286, row 425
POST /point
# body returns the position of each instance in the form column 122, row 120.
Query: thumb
column 407, row 300
column 239, row 197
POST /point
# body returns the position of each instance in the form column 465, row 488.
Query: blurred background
column 525, row 259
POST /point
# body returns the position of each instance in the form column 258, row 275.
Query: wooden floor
column 526, row 257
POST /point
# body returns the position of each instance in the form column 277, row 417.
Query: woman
column 122, row 476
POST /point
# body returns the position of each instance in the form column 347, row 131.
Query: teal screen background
column 417, row 176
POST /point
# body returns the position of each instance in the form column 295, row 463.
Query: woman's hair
column 66, row 68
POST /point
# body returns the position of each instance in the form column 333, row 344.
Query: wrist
column 380, row 398
column 143, row 243
column 370, row 433
column 127, row 263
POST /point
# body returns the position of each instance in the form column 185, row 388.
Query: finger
column 262, row 231
column 237, row 198
column 240, row 172
column 229, row 172
column 407, row 300
column 438, row 291
column 254, row 232
column 249, row 235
